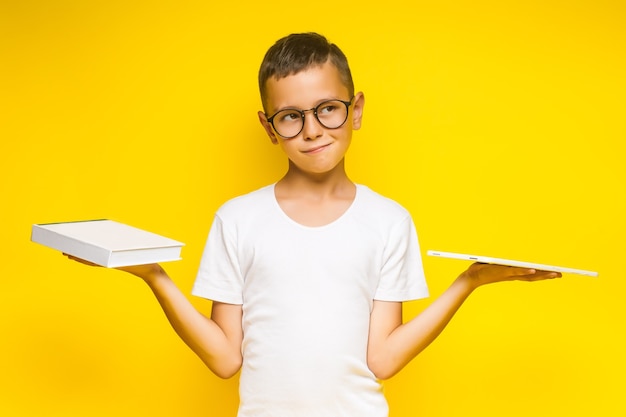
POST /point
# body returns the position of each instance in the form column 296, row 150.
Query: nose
column 311, row 129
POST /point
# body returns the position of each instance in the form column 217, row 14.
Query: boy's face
column 316, row 149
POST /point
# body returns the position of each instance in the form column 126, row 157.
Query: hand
column 144, row 272
column 480, row 274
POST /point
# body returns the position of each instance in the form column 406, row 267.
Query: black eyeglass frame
column 314, row 110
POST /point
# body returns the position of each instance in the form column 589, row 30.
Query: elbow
column 225, row 373
column 383, row 374
column 382, row 368
column 225, row 368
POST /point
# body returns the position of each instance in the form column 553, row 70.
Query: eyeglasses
column 331, row 114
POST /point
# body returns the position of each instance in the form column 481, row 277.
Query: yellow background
column 499, row 124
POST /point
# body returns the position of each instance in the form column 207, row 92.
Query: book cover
column 107, row 243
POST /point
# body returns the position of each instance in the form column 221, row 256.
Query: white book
column 107, row 242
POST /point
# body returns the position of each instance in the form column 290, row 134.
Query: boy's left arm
column 392, row 344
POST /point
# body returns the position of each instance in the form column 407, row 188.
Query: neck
column 300, row 182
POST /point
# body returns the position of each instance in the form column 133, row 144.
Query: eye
column 289, row 116
column 327, row 108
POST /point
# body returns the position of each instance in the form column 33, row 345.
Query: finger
column 80, row 260
column 514, row 272
column 540, row 275
column 528, row 274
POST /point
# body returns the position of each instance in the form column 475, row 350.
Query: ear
column 268, row 127
column 357, row 110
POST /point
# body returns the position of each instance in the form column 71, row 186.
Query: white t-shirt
column 307, row 295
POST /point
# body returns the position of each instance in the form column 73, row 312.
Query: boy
column 308, row 275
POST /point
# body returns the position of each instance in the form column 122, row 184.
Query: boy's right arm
column 216, row 340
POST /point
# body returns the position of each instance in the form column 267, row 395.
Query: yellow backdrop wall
column 499, row 125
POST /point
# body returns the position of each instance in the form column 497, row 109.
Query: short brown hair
column 298, row 52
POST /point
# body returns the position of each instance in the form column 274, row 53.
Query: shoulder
column 377, row 203
column 248, row 203
column 380, row 214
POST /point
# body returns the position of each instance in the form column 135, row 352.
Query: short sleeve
column 402, row 274
column 219, row 275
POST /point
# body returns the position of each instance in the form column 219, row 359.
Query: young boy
column 308, row 275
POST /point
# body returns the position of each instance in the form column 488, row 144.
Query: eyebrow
column 314, row 106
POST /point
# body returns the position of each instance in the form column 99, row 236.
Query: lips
column 316, row 149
